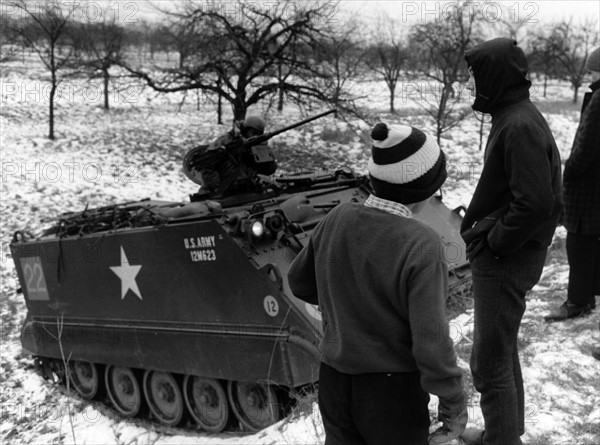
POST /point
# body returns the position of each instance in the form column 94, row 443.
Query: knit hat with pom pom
column 406, row 165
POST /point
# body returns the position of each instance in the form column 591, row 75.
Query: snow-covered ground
column 135, row 150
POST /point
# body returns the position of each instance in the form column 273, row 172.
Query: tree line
column 301, row 52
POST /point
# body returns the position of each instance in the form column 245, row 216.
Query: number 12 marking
column 271, row 305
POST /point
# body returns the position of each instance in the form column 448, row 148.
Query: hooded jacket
column 581, row 177
column 517, row 201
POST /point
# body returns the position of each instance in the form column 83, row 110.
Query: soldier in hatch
column 227, row 160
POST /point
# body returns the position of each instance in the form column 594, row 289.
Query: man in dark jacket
column 380, row 280
column 582, row 205
column 507, row 228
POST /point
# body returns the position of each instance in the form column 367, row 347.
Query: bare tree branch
column 45, row 31
column 238, row 56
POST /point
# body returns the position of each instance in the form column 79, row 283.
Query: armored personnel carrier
column 183, row 309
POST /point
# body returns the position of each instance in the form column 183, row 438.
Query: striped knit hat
column 406, row 165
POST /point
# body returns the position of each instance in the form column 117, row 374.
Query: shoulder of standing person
column 592, row 64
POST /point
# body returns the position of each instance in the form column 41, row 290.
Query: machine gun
column 256, row 140
column 236, row 151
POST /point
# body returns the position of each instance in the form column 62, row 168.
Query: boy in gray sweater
column 380, row 280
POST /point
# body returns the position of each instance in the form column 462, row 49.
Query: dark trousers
column 373, row 409
column 499, row 288
column 583, row 252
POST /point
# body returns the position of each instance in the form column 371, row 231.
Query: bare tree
column 507, row 20
column 238, row 53
column 44, row 29
column 572, row 46
column 285, row 68
column 102, row 47
column 157, row 36
column 182, row 35
column 387, row 56
column 339, row 58
column 438, row 48
column 542, row 56
column 10, row 46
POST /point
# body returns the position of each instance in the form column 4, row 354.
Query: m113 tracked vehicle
column 183, row 309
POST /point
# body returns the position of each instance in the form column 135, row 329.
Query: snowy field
column 134, row 151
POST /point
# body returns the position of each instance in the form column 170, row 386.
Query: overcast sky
column 533, row 12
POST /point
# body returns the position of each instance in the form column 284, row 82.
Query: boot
column 568, row 310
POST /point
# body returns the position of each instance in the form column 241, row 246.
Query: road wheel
column 123, row 390
column 206, row 402
column 84, row 378
column 164, row 397
column 254, row 404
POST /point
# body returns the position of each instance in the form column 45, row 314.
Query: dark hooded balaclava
column 500, row 72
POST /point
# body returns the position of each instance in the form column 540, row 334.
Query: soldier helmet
column 255, row 122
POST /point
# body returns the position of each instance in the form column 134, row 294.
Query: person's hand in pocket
column 476, row 246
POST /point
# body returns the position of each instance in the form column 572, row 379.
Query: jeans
column 499, row 288
column 583, row 252
column 373, row 409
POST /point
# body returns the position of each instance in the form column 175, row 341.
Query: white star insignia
column 127, row 274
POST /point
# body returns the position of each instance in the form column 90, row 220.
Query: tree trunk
column 280, row 103
column 219, row 104
column 441, row 112
column 575, row 93
column 239, row 104
column 280, row 75
column 481, row 135
column 545, row 83
column 52, row 93
column 106, row 82
column 239, row 111
column 391, row 84
column 220, row 110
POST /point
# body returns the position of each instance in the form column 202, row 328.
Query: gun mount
column 236, row 158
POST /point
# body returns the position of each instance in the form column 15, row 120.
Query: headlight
column 257, row 229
